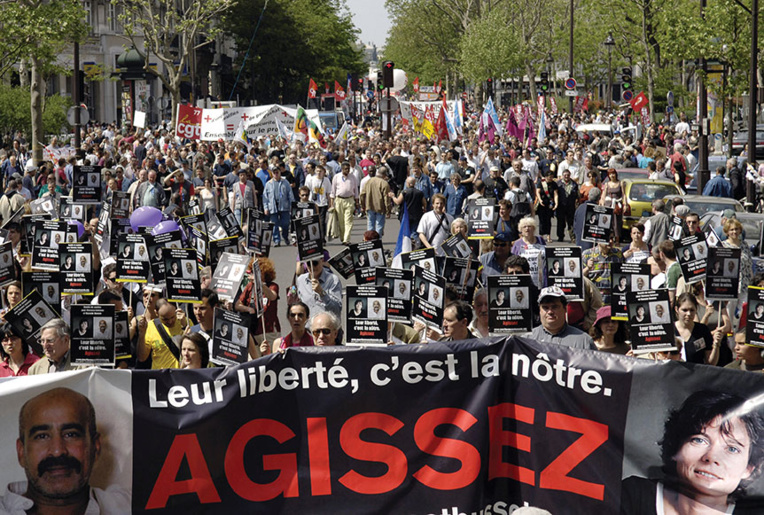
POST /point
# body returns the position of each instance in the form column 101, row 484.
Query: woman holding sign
column 734, row 231
column 531, row 247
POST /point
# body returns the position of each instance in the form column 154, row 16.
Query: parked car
column 639, row 195
column 702, row 204
column 751, row 224
column 633, row 173
column 740, row 140
column 714, row 161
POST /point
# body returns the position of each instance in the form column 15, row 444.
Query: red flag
column 638, row 102
column 312, row 89
column 440, row 86
column 440, row 126
column 416, row 85
column 339, row 93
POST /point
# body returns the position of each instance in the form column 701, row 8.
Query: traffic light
column 380, row 81
column 360, row 84
column 387, row 73
column 489, row 86
column 544, row 86
column 369, row 85
column 626, row 83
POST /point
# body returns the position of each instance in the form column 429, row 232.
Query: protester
column 298, row 315
column 194, row 351
column 15, row 357
column 609, row 335
column 325, row 328
column 554, row 328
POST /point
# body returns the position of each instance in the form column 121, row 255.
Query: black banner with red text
column 445, row 428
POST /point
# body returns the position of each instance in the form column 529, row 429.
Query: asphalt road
column 285, row 258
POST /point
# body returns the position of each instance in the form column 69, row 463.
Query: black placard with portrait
column 564, row 269
column 121, row 336
column 509, row 304
column 651, row 326
column 230, row 337
column 228, row 221
column 481, row 217
column 182, row 276
column 457, row 246
column 723, row 273
column 120, row 204
column 77, row 274
column 228, row 274
column 462, row 274
column 754, row 329
column 30, row 314
column 366, row 315
column 7, row 266
column 133, row 263
column 367, row 256
column 46, row 283
column 86, row 184
column 424, row 258
column 48, row 236
column 92, row 336
column 692, row 256
column 158, row 246
column 429, row 293
column 310, row 244
column 598, row 223
column 627, row 277
column 342, row 263
column 398, row 283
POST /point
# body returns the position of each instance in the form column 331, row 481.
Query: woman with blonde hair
column 531, row 247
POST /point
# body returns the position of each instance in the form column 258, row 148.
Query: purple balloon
column 166, row 226
column 145, row 216
column 80, row 227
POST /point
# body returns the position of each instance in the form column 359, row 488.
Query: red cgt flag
column 638, row 102
column 339, row 92
column 312, row 89
column 416, row 85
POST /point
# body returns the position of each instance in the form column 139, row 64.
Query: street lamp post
column 549, row 60
column 609, row 43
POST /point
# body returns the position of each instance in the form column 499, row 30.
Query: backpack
column 520, row 205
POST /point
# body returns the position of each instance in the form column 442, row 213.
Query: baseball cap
column 551, row 292
column 495, row 169
column 728, row 213
column 602, row 313
column 502, row 236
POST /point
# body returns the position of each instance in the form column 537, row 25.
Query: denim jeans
column 376, row 222
column 280, row 219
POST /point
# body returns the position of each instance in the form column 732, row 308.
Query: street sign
column 571, row 93
column 627, row 95
column 669, row 109
column 570, row 83
column 670, row 98
column 84, row 115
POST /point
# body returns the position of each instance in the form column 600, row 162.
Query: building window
column 112, row 17
column 88, row 6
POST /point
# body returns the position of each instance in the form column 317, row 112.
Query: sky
column 370, row 16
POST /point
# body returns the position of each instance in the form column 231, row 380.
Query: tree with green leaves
column 39, row 32
column 296, row 40
column 171, row 31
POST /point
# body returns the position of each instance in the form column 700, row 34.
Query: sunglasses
column 500, row 244
column 324, row 331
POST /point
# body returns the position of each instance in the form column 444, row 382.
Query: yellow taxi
column 639, row 195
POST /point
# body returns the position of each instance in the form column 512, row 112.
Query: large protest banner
column 482, row 426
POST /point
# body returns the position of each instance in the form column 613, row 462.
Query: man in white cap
column 554, row 327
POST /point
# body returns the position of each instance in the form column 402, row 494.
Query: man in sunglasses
column 494, row 262
column 325, row 328
column 320, row 289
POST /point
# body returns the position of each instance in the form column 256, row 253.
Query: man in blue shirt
column 718, row 186
column 455, row 194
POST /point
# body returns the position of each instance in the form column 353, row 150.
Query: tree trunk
column 37, row 91
column 531, row 82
